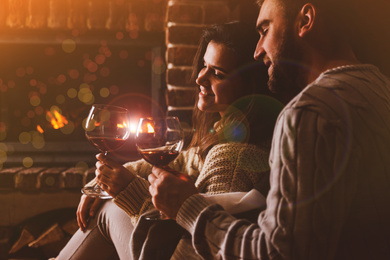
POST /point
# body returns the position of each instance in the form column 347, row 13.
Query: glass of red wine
column 107, row 128
column 159, row 141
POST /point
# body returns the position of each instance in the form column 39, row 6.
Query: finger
column 152, row 191
column 94, row 207
column 110, row 162
column 158, row 172
column 82, row 211
column 152, row 178
column 102, row 171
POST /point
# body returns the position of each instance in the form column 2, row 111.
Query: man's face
column 278, row 48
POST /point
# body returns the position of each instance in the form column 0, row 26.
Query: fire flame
column 39, row 128
column 56, row 119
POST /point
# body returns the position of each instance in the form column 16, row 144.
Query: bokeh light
column 82, row 165
column 104, row 92
column 20, row 72
column 39, row 110
column 35, row 101
column 104, row 72
column 29, row 70
column 11, row 84
column 72, row 93
column 61, row 79
column 30, row 114
column 33, row 82
column 85, row 95
column 24, row 137
column 37, row 140
column 100, row 59
column 3, row 88
column 68, row 129
column 28, row 162
column 114, row 90
column 74, row 74
column 68, row 45
column 119, row 35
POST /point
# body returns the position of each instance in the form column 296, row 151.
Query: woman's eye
column 219, row 75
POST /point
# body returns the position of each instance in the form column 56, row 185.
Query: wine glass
column 159, row 141
column 107, row 128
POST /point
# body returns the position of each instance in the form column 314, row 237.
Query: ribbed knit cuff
column 133, row 197
column 190, row 210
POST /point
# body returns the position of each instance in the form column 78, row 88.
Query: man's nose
column 259, row 52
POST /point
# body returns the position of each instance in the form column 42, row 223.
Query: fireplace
column 49, row 82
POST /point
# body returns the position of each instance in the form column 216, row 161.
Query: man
column 330, row 159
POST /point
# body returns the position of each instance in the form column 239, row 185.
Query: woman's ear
column 305, row 19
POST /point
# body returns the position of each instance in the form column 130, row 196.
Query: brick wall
column 185, row 21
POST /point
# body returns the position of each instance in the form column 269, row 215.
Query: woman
column 228, row 153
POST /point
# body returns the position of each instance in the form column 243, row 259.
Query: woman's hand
column 87, row 209
column 111, row 175
column 169, row 189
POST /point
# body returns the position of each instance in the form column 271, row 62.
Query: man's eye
column 263, row 32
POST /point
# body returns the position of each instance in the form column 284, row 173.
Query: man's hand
column 111, row 175
column 169, row 189
column 87, row 209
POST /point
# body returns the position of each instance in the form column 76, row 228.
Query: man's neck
column 322, row 62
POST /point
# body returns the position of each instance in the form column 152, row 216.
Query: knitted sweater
column 228, row 167
column 330, row 179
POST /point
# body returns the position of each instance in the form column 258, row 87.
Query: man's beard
column 287, row 75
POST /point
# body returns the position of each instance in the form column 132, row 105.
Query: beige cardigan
column 228, row 167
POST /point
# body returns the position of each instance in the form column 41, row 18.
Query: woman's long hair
column 250, row 119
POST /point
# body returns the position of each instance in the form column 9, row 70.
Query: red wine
column 106, row 144
column 159, row 157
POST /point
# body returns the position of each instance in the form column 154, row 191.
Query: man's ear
column 305, row 19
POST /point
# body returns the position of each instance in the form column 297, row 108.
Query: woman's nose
column 202, row 77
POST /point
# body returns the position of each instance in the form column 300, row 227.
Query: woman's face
column 218, row 88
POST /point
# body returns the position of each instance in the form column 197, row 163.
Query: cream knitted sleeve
column 135, row 199
column 232, row 167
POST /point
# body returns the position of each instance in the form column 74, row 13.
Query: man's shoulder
column 335, row 92
column 342, row 84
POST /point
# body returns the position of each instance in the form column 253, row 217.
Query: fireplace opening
column 49, row 82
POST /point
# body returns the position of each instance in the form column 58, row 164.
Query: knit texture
column 330, row 179
column 228, row 167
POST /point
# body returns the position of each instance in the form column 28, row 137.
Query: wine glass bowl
column 159, row 140
column 107, row 128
